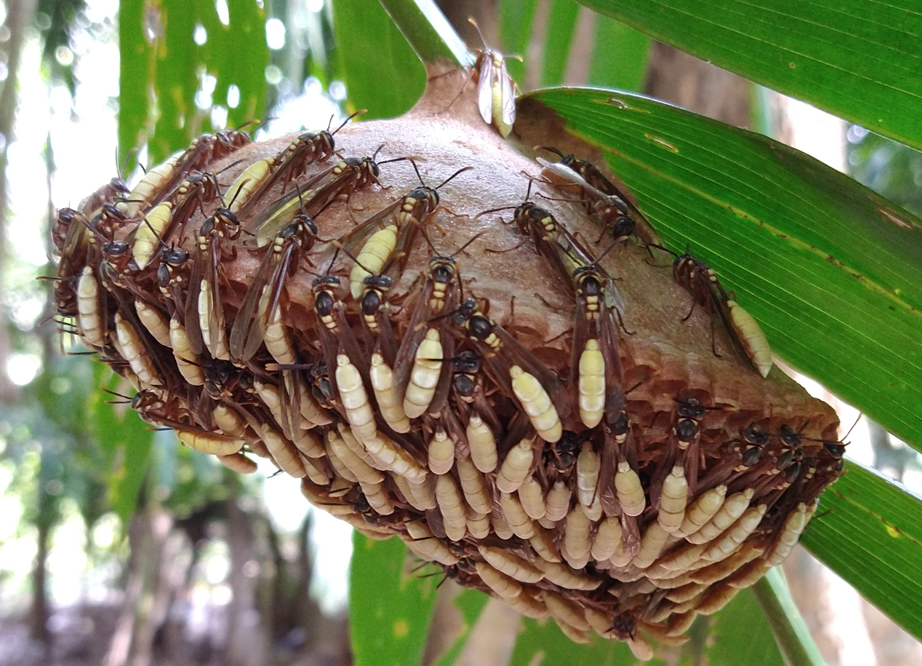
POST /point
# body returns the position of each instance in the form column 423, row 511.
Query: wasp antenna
column 468, row 243
column 116, row 394
column 254, row 121
column 277, row 367
column 408, row 158
column 611, row 247
column 860, row 414
column 493, row 210
column 346, row 121
column 452, row 176
column 236, row 194
column 666, row 249
column 550, row 149
column 121, row 168
column 531, row 181
column 416, row 169
column 300, row 199
column 351, row 256
column 153, row 231
column 229, row 166
column 470, row 19
column 422, row 230
column 547, row 198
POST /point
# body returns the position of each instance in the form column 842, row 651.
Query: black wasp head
column 442, row 269
column 691, row 409
column 370, row 171
column 620, row 425
column 425, row 193
column 218, row 371
column 115, row 249
column 624, row 227
column 531, row 210
column 226, row 217
column 624, row 626
column 307, row 223
column 163, row 276
column 784, row 460
column 325, row 282
column 378, row 281
column 467, row 308
column 464, row 386
column 835, row 449
column 686, row 430
column 213, row 390
column 790, row 437
column 67, row 215
column 756, row 435
column 589, row 283
column 323, row 303
column 325, row 143
column 466, row 361
column 112, row 212
column 208, row 227
column 567, row 444
column 119, row 185
column 174, row 256
column 751, row 456
column 361, row 505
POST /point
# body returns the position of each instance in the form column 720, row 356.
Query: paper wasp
column 495, row 88
column 538, row 390
column 745, row 336
column 257, row 179
column 595, row 366
column 390, row 228
column 263, row 297
column 204, row 311
column 163, row 179
column 429, row 326
column 157, row 225
column 601, row 198
column 314, row 195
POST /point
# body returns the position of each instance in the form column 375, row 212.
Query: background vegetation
column 832, row 271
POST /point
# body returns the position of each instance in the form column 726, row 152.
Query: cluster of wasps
column 420, row 415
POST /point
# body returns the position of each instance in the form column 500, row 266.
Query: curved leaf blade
column 869, row 531
column 619, row 57
column 859, row 60
column 470, row 603
column 389, row 608
column 543, row 642
column 126, row 442
column 832, row 271
column 380, row 70
column 175, row 80
column 134, row 83
column 236, row 54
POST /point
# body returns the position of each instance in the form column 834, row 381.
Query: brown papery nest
column 444, row 403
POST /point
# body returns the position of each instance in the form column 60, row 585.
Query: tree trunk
column 38, row 615
column 247, row 641
column 696, row 85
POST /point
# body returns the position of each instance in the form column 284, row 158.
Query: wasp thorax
column 571, row 416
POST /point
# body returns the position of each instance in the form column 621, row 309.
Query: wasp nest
column 449, row 358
